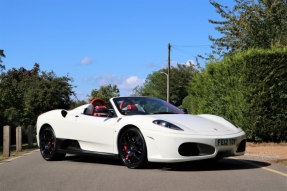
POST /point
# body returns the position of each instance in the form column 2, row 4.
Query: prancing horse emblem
column 215, row 129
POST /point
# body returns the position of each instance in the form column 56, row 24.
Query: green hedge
column 249, row 89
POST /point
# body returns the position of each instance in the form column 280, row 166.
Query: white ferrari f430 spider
column 137, row 130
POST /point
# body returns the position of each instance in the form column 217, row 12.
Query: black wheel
column 132, row 148
column 48, row 145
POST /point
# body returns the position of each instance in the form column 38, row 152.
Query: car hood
column 199, row 124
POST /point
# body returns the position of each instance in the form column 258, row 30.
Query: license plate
column 221, row 142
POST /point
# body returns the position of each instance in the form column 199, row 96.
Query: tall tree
column 2, row 67
column 25, row 94
column 249, row 24
column 155, row 84
column 105, row 92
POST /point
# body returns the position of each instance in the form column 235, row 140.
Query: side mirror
column 184, row 110
column 111, row 113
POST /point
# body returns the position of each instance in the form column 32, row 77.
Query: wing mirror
column 184, row 110
column 111, row 113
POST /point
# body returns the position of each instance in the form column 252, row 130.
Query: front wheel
column 132, row 148
column 48, row 145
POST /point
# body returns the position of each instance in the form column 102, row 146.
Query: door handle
column 76, row 116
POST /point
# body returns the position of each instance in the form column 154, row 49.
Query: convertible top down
column 137, row 130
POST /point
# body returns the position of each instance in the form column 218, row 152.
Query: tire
column 48, row 145
column 132, row 148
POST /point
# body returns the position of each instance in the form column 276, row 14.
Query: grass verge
column 13, row 153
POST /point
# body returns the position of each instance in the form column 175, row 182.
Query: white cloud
column 131, row 83
column 190, row 63
column 106, row 79
column 125, row 84
column 173, row 63
column 126, row 93
column 81, row 95
column 86, row 60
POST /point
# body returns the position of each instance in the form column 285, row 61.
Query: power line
column 195, row 46
column 185, row 52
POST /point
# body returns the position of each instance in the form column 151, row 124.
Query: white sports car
column 137, row 130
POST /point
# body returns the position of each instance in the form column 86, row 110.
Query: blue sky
column 101, row 42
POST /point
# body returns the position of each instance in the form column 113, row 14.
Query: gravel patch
column 267, row 152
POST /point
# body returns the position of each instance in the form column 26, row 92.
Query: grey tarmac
column 31, row 172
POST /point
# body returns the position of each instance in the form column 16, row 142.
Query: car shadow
column 92, row 159
column 223, row 164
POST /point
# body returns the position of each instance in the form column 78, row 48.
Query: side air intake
column 242, row 145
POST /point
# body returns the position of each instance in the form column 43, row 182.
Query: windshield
column 144, row 106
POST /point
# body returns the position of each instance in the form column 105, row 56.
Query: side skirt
column 72, row 147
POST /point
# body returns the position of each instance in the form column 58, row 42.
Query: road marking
column 265, row 168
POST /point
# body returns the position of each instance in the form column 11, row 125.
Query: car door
column 94, row 133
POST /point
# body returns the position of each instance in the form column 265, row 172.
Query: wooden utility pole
column 168, row 74
column 18, row 139
column 6, row 141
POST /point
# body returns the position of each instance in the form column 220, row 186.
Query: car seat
column 132, row 107
column 101, row 111
column 89, row 110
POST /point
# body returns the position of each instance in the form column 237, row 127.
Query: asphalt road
column 31, row 172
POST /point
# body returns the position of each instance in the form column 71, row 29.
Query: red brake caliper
column 52, row 146
column 126, row 148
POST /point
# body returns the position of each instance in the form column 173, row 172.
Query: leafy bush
column 249, row 89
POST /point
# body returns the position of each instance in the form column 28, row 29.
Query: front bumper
column 164, row 147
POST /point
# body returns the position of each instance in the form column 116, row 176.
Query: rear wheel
column 48, row 145
column 132, row 148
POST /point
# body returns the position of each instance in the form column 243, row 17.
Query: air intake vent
column 242, row 146
column 205, row 149
column 188, row 149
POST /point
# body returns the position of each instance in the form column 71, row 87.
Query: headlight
column 167, row 125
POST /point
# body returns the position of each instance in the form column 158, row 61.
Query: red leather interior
column 100, row 108
column 98, row 101
column 101, row 111
column 132, row 107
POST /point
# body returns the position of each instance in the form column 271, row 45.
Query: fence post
column 30, row 136
column 18, row 139
column 6, row 141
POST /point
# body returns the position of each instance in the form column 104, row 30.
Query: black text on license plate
column 220, row 142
